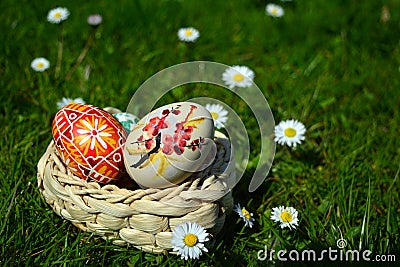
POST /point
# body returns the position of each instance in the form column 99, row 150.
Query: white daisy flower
column 240, row 76
column 245, row 215
column 66, row 101
column 290, row 132
column 286, row 216
column 274, row 10
column 188, row 238
column 40, row 64
column 94, row 20
column 188, row 34
column 219, row 114
column 57, row 15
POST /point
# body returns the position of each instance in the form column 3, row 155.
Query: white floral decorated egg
column 169, row 144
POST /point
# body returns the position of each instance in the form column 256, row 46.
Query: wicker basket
column 142, row 218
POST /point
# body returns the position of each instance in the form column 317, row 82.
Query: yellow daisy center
column 57, row 15
column 188, row 32
column 238, row 77
column 40, row 65
column 214, row 115
column 274, row 11
column 286, row 216
column 290, row 132
column 246, row 214
column 190, row 240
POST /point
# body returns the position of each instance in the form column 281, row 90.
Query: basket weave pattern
column 142, row 218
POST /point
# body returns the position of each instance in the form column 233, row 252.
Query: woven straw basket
column 142, row 218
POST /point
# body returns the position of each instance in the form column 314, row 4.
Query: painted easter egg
column 127, row 120
column 169, row 144
column 90, row 142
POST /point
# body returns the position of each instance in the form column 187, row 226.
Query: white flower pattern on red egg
column 94, row 135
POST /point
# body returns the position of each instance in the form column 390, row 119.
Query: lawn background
column 334, row 65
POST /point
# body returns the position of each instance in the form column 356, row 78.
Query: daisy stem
column 60, row 53
column 233, row 95
column 81, row 56
column 242, row 230
column 39, row 100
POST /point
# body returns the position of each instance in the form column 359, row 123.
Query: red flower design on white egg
column 155, row 125
column 173, row 144
column 182, row 131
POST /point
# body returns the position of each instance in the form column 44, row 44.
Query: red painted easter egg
column 90, row 142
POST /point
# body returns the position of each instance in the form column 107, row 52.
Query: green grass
column 331, row 64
